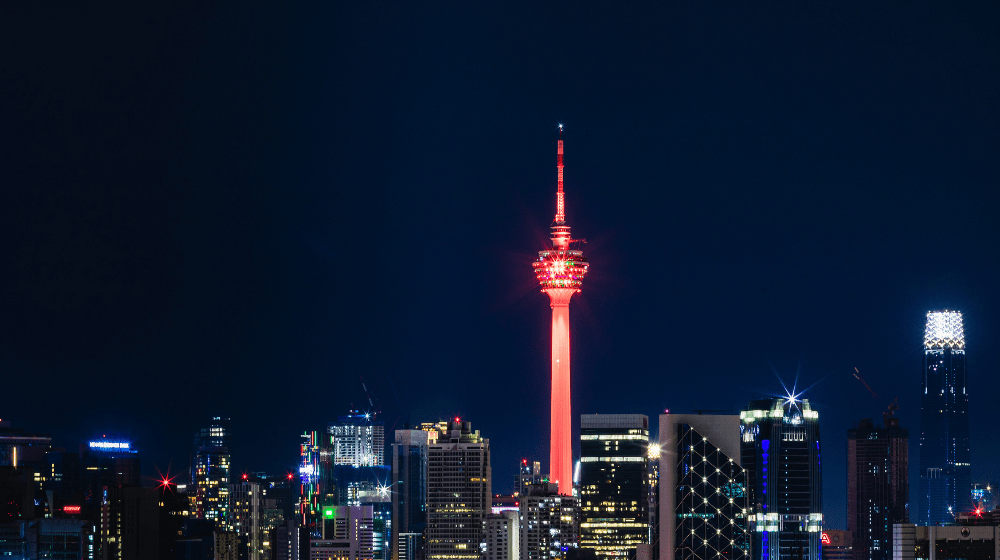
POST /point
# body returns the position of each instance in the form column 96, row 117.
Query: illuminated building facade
column 703, row 488
column 878, row 487
column 409, row 492
column 781, row 455
column 106, row 463
column 945, row 475
column 346, row 534
column 614, row 483
column 502, row 536
column 309, row 482
column 550, row 522
column 560, row 271
column 459, row 492
column 210, row 472
column 358, row 440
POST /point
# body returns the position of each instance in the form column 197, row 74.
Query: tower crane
column 890, row 409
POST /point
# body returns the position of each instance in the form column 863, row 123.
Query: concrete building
column 347, row 534
column 459, row 492
column 954, row 542
column 836, row 545
column 502, row 536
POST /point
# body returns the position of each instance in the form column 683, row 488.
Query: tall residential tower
column 560, row 271
column 945, row 478
column 878, row 489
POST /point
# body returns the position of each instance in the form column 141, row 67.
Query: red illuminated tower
column 560, row 271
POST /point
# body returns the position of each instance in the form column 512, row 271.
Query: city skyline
column 215, row 220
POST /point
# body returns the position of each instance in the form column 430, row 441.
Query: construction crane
column 890, row 409
column 374, row 410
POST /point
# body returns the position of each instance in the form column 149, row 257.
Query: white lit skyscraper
column 945, row 477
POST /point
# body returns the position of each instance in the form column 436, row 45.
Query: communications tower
column 560, row 271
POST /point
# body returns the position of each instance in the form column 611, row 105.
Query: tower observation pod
column 560, row 271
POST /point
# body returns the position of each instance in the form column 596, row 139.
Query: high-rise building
column 528, row 473
column 246, row 518
column 502, row 536
column 210, row 471
column 878, row 488
column 106, row 462
column 781, row 455
column 945, row 475
column 459, row 492
column 560, row 271
column 346, row 534
column 358, row 440
column 550, row 522
column 409, row 492
column 310, row 483
column 130, row 523
column 703, row 488
column 614, row 483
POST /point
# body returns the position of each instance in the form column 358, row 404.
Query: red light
column 457, row 419
column 825, row 538
column 244, row 477
column 289, row 476
column 71, row 509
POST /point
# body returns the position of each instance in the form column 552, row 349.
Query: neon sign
column 71, row 509
column 825, row 539
column 109, row 445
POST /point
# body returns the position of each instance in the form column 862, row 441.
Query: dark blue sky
column 241, row 209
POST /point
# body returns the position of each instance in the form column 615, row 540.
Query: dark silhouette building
column 781, row 454
column 409, row 492
column 877, row 486
column 945, row 475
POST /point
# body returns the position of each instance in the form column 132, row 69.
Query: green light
column 328, row 513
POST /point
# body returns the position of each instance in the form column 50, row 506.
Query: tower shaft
column 561, row 436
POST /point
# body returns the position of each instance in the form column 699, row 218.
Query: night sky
column 243, row 209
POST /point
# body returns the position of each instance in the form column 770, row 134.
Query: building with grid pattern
column 703, row 498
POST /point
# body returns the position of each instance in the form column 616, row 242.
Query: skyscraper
column 781, row 455
column 458, row 492
column 703, row 497
column 246, row 517
column 614, row 483
column 358, row 440
column 409, row 492
column 945, row 477
column 209, row 490
column 550, row 522
column 502, row 536
column 878, row 487
column 560, row 272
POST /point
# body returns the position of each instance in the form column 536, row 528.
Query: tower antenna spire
column 560, row 196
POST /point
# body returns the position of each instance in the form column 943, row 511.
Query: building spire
column 560, row 197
